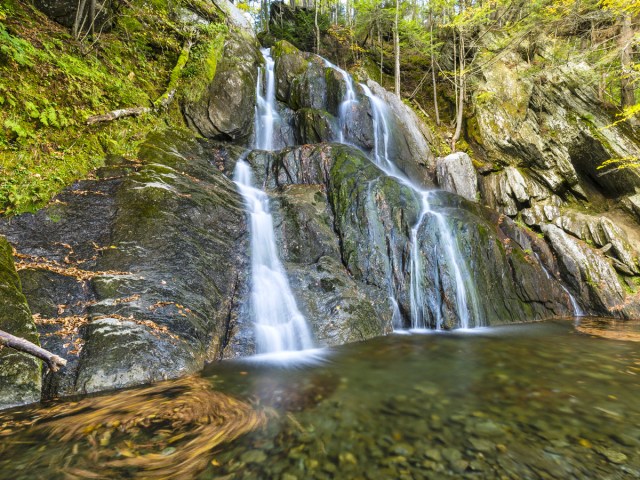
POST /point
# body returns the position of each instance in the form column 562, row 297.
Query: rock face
column 224, row 109
column 20, row 379
column 549, row 126
column 543, row 137
column 314, row 90
column 455, row 174
column 590, row 274
column 120, row 269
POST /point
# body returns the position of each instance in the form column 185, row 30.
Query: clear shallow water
column 525, row 401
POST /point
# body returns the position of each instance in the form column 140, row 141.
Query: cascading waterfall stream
column 279, row 325
column 348, row 101
column 266, row 114
column 464, row 295
column 577, row 311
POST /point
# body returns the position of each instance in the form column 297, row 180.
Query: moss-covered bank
column 50, row 83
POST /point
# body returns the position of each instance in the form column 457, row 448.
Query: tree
column 627, row 82
column 396, row 49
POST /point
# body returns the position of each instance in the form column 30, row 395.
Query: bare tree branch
column 53, row 361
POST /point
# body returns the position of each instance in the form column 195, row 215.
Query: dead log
column 53, row 361
column 115, row 114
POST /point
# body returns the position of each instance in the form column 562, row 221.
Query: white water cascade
column 280, row 327
column 577, row 311
column 349, row 101
column 279, row 324
column 266, row 114
column 466, row 299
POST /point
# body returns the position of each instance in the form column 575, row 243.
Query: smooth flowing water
column 424, row 307
column 279, row 324
column 349, row 101
column 577, row 311
column 546, row 400
column 266, row 115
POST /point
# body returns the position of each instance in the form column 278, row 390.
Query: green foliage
column 15, row 50
column 301, row 31
column 50, row 84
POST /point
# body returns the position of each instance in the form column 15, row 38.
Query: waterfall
column 266, row 113
column 453, row 258
column 279, row 324
column 280, row 327
column 348, row 101
column 577, row 311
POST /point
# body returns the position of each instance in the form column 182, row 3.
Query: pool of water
column 544, row 400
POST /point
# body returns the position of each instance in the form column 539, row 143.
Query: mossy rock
column 20, row 374
column 315, row 126
column 164, row 240
column 223, row 108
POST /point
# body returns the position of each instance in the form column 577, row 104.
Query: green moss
column 203, row 64
column 473, row 130
column 20, row 374
column 283, row 48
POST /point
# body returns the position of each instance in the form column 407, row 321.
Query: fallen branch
column 53, row 361
column 115, row 114
column 419, row 107
column 163, row 100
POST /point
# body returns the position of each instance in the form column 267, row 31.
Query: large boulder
column 235, row 17
column 223, row 108
column 138, row 274
column 456, row 174
column 65, row 12
column 20, row 379
column 339, row 308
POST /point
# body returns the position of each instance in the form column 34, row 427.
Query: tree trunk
column 317, row 28
column 53, row 361
column 459, row 117
column 433, row 75
column 627, row 90
column 92, row 19
column 455, row 72
column 396, row 49
column 381, row 52
column 79, row 19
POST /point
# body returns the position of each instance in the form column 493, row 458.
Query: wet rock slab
column 137, row 275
